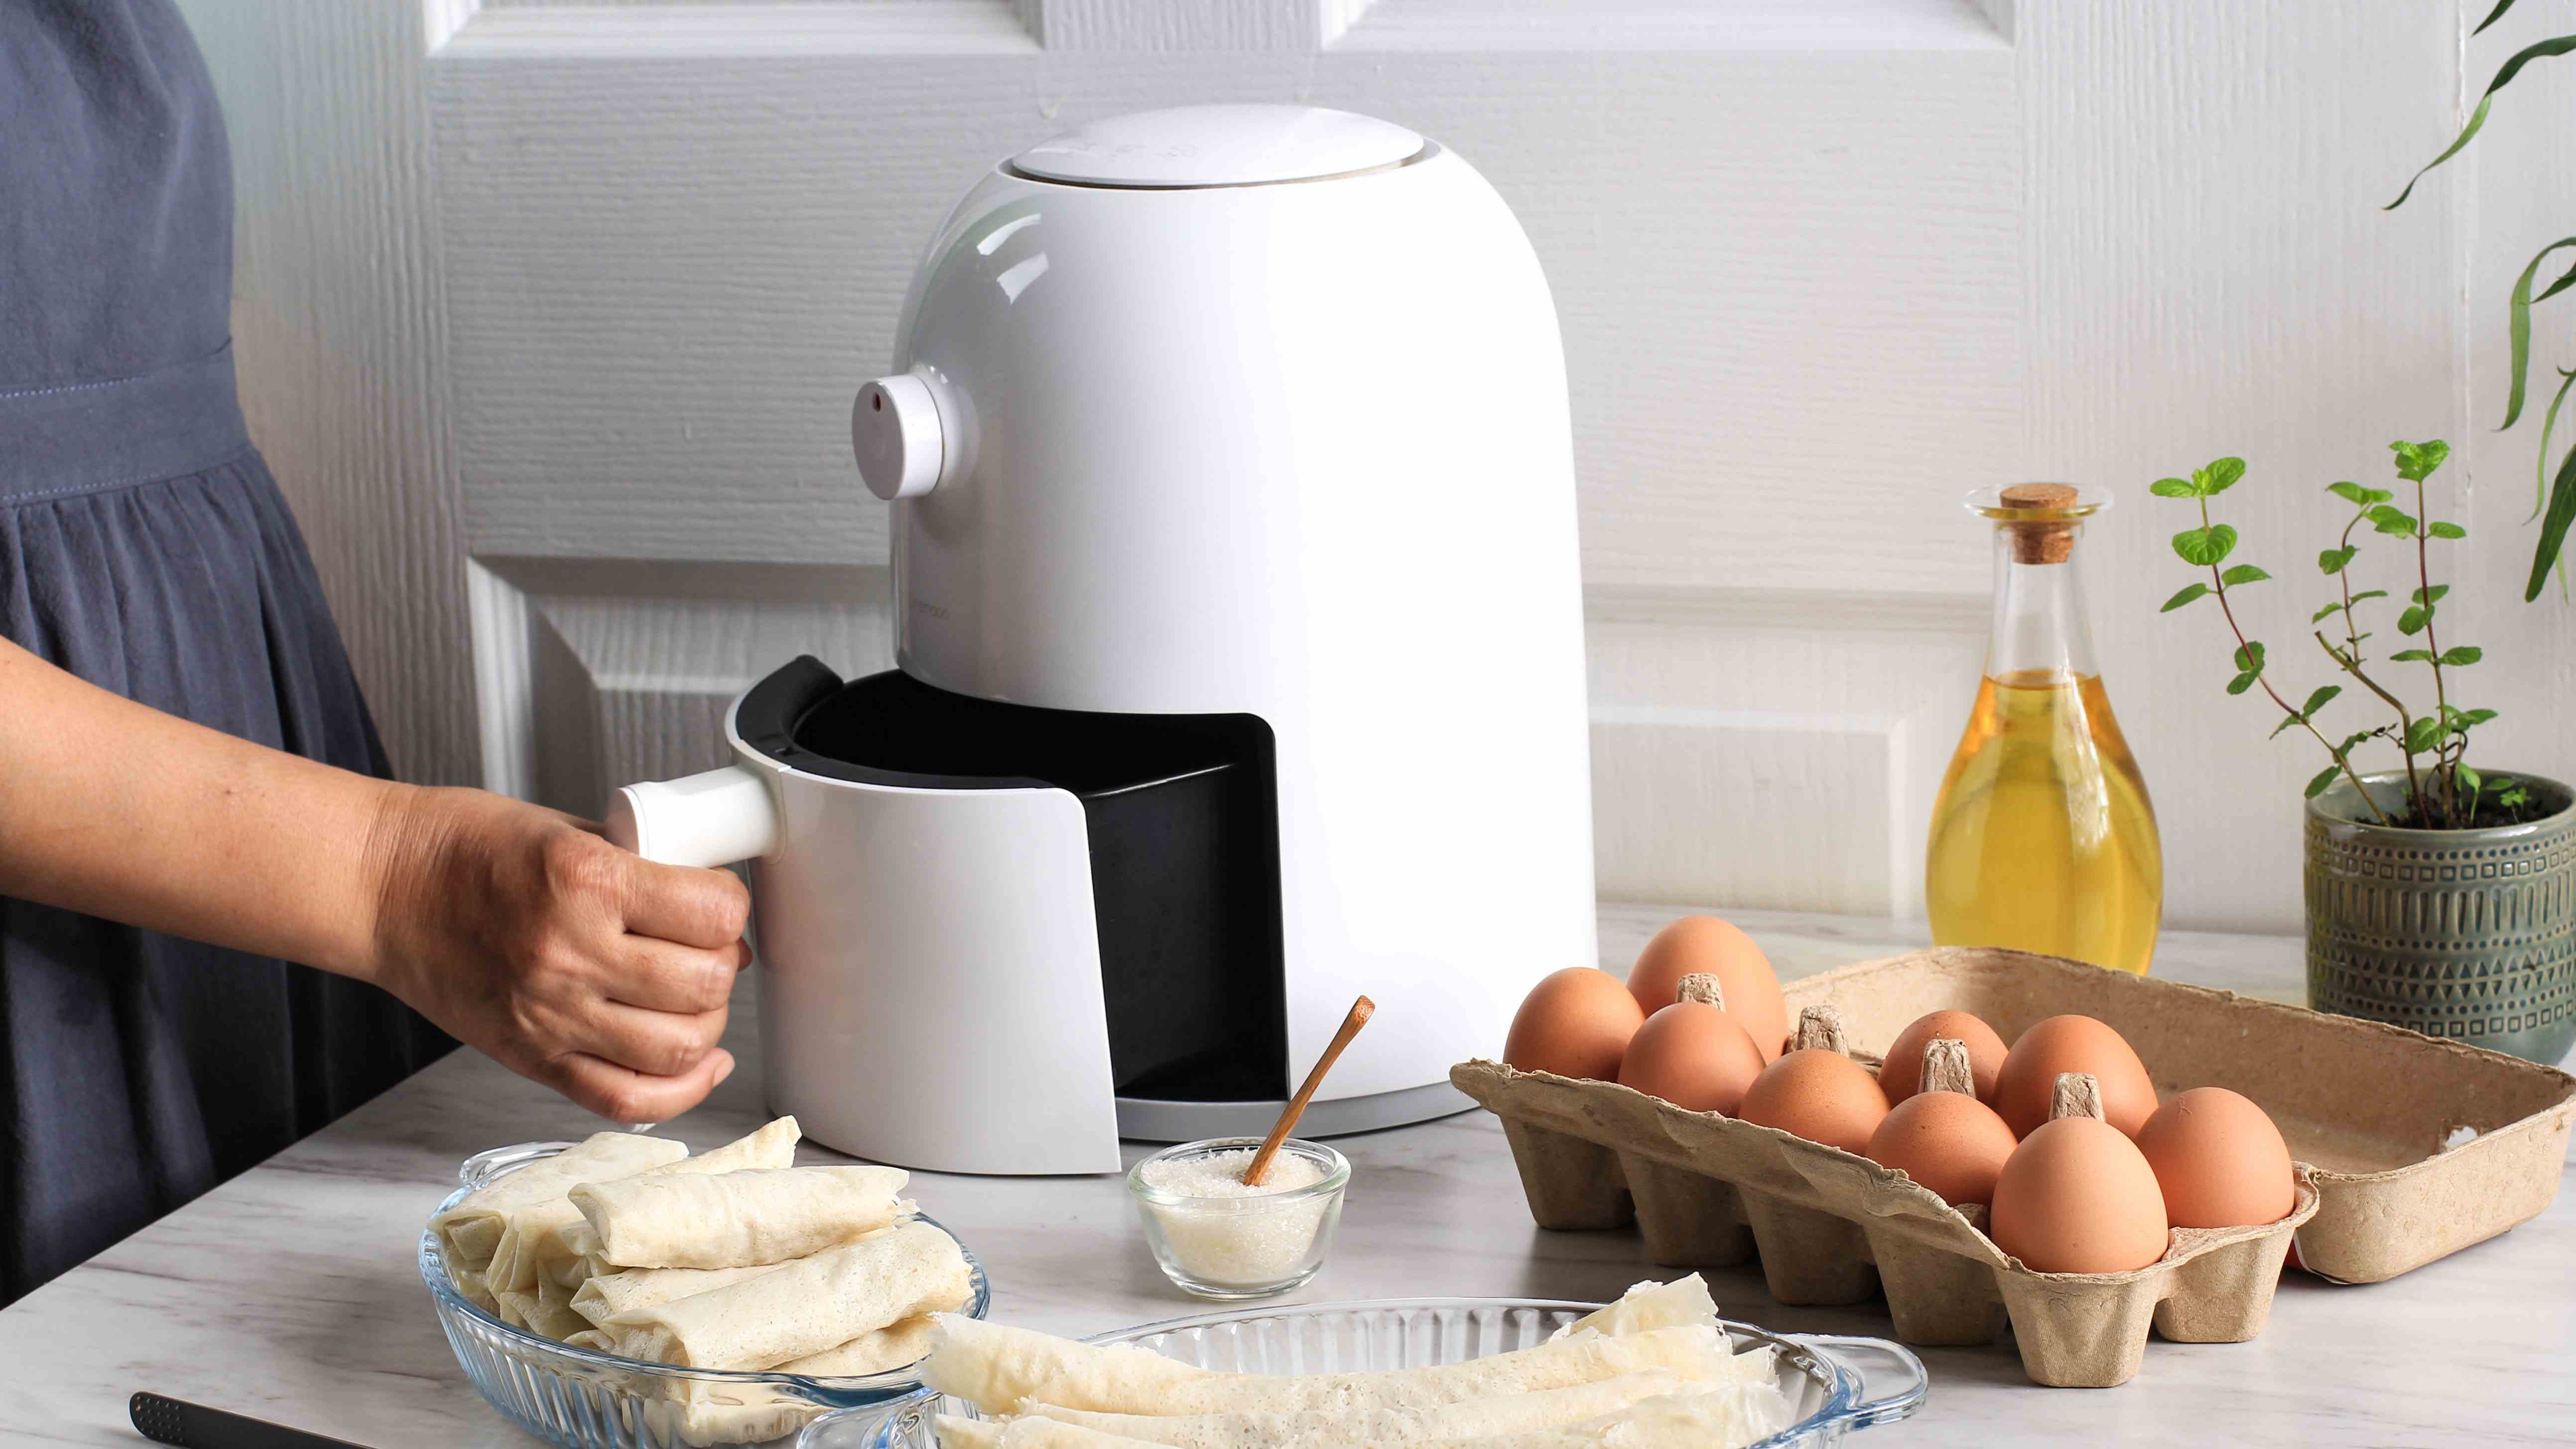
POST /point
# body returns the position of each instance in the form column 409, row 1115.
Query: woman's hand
column 524, row 934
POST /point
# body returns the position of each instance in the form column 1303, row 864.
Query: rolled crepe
column 471, row 1232
column 626, row 1289
column 545, row 1240
column 1651, row 1305
column 897, row 1345
column 1378, row 1428
column 957, row 1433
column 802, row 1308
column 1726, row 1417
column 736, row 1219
column 996, row 1368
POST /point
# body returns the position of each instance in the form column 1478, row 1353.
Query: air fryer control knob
column 905, row 447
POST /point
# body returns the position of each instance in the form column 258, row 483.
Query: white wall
column 600, row 281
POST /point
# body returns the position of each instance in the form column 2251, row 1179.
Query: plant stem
column 2448, row 773
column 2352, row 665
column 2218, row 586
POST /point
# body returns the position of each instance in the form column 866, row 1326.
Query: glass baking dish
column 1835, row 1384
column 587, row 1400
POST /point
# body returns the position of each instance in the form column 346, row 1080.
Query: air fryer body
column 1298, row 451
column 1294, row 454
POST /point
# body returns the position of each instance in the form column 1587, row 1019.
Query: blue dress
column 145, row 548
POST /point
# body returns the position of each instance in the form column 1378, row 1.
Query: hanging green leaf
column 2553, row 527
column 2317, row 701
column 2243, row 682
column 2413, row 620
column 2468, row 719
column 2350, row 492
column 2389, row 518
column 2430, row 596
column 2184, row 596
column 2540, row 460
column 2493, row 16
column 2461, row 655
column 2370, row 594
column 2222, row 474
column 2173, row 488
column 2205, row 546
column 2288, row 722
column 2332, row 560
column 2518, row 324
column 2411, row 656
column 2426, row 733
column 2249, row 657
column 2477, row 118
column 2324, row 778
column 2242, row 574
column 2319, row 616
column 2447, row 530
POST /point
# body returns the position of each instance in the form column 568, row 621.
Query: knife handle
column 194, row 1426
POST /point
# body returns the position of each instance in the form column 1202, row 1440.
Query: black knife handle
column 194, row 1426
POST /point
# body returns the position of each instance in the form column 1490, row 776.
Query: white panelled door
column 1823, row 266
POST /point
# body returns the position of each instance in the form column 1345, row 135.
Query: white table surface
column 290, row 1293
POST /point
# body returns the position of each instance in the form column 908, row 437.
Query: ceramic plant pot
column 2468, row 935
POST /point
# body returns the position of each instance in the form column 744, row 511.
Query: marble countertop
column 290, row 1292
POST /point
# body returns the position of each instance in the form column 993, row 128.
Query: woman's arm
column 517, row 929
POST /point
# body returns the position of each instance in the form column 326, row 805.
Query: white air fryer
column 1240, row 663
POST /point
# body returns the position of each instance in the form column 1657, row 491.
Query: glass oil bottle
column 2043, row 838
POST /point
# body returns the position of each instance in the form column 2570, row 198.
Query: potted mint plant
column 2440, row 897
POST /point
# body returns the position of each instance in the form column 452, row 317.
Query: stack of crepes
column 1652, row 1370
column 735, row 1259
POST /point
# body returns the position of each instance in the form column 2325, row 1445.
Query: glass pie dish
column 1835, row 1384
column 583, row 1399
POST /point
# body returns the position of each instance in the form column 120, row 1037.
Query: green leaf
column 2250, row 657
column 2413, row 620
column 2418, row 461
column 2430, row 596
column 2540, row 460
column 2244, row 681
column 2559, row 45
column 2205, row 546
column 2425, row 733
column 2518, row 322
column 2332, row 560
column 2448, row 530
column 2319, row 616
column 2188, row 593
column 2324, row 778
column 2352, row 493
column 2467, row 779
column 2288, row 721
column 2242, row 574
column 2411, row 656
column 2513, row 797
column 2553, row 528
column 2388, row 518
column 2317, row 701
column 2462, row 655
column 2493, row 16
column 2173, row 488
column 2370, row 594
column 2471, row 718
column 2222, row 474
column 2359, row 736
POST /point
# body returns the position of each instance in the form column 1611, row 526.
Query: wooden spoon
column 1361, row 1011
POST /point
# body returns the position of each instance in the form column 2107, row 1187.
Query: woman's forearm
column 121, row 811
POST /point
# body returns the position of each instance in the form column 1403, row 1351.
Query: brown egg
column 1575, row 1023
column 1693, row 1055
column 1705, row 943
column 1902, row 1074
column 2220, row 1161
column 1948, row 1141
column 2073, row 1044
column 1820, row 1095
column 2078, row 1197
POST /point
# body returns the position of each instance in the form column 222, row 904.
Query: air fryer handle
column 717, row 818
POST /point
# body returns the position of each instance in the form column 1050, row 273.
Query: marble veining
column 290, row 1293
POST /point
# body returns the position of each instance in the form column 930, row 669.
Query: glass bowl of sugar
column 1217, row 1237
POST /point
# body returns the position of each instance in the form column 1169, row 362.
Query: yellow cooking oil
column 2043, row 838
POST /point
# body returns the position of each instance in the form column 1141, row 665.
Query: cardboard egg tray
column 2374, row 1115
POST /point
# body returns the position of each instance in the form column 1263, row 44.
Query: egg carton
column 2386, row 1181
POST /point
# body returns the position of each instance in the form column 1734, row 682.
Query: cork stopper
column 1820, row 1028
column 1702, row 987
column 2040, row 543
column 2077, row 1094
column 1946, row 1069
